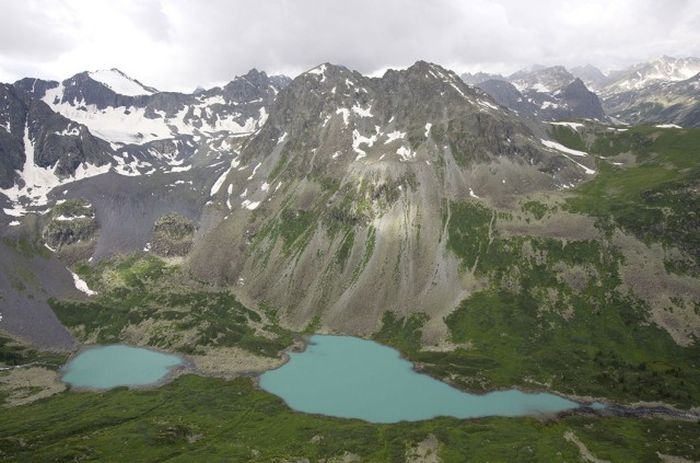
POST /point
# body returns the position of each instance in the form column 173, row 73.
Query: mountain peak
column 324, row 70
column 120, row 83
column 546, row 79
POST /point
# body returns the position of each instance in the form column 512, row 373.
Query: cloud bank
column 179, row 44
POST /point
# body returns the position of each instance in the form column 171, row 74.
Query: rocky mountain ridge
column 663, row 91
column 343, row 192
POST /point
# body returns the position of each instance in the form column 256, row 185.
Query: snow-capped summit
column 120, row 83
column 642, row 75
column 544, row 80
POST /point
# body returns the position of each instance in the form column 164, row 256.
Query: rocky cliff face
column 33, row 136
column 548, row 94
column 658, row 103
column 506, row 94
column 663, row 91
column 337, row 207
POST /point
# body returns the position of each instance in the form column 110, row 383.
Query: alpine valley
column 536, row 231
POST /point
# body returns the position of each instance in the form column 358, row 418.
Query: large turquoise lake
column 106, row 367
column 354, row 378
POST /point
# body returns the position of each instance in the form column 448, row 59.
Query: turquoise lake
column 354, row 378
column 106, row 367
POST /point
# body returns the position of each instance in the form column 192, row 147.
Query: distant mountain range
column 664, row 91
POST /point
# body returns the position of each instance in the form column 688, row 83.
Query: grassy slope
column 201, row 419
column 580, row 335
column 657, row 200
column 145, row 291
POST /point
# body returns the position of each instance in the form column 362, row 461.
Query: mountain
column 492, row 249
column 664, row 69
column 140, row 116
column 663, row 102
column 542, row 80
column 663, row 91
column 479, row 77
column 593, row 77
column 506, row 94
column 545, row 93
column 345, row 190
column 105, row 120
column 40, row 149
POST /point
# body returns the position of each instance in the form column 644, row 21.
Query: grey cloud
column 30, row 31
column 205, row 42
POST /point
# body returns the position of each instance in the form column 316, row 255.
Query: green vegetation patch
column 206, row 419
column 569, row 137
column 469, row 231
column 656, row 199
column 553, row 317
column 403, row 333
column 145, row 295
column 538, row 209
column 13, row 353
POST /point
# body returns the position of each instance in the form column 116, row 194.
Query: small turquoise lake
column 354, row 378
column 106, row 367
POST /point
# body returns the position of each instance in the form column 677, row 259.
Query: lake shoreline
column 585, row 403
column 172, row 373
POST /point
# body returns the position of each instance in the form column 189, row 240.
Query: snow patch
column 395, row 135
column 668, row 126
column 39, row 181
column 250, row 205
column 487, row 104
column 319, row 71
column 405, row 153
column 220, row 181
column 362, row 112
column 572, row 125
column 81, row 285
column 358, row 139
column 562, row 148
column 346, row 115
column 119, row 82
column 428, row 126
column 255, row 169
column 65, row 218
column 180, row 169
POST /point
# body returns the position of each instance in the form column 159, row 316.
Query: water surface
column 106, row 367
column 354, row 378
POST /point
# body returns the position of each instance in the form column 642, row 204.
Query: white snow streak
column 81, row 285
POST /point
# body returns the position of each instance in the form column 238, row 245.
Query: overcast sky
column 179, row 44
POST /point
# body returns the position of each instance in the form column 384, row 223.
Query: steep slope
column 664, row 69
column 137, row 117
column 154, row 154
column 344, row 192
column 557, row 95
column 543, row 80
column 544, row 93
column 479, row 77
column 506, row 94
column 146, row 131
column 40, row 149
column 593, row 77
column 659, row 103
column 664, row 91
